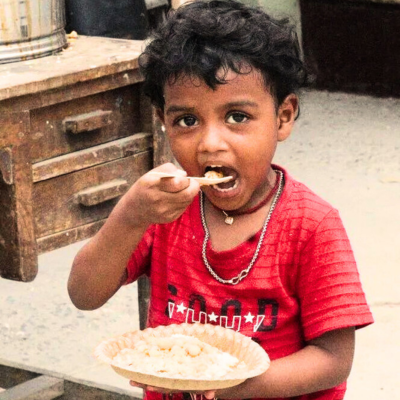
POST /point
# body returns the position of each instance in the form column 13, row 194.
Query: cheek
column 184, row 151
column 258, row 156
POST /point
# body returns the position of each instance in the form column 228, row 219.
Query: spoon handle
column 200, row 179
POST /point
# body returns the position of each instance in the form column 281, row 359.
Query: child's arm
column 324, row 363
column 99, row 269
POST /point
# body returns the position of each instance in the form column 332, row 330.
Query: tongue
column 228, row 172
column 226, row 185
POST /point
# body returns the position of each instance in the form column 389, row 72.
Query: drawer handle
column 99, row 194
column 87, row 122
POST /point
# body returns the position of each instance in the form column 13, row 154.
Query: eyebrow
column 241, row 104
column 174, row 108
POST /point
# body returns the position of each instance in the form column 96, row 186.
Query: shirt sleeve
column 139, row 262
column 329, row 287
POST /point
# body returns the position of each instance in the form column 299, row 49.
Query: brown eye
column 187, row 121
column 237, row 118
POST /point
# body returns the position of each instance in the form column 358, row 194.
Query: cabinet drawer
column 85, row 122
column 85, row 196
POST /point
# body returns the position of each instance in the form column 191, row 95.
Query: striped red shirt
column 304, row 283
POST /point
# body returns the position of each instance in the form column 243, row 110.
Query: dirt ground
column 347, row 149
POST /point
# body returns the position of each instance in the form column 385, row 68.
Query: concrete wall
column 281, row 9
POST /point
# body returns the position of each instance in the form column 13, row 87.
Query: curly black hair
column 204, row 37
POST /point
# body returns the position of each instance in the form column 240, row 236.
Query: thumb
column 209, row 394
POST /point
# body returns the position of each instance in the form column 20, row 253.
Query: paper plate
column 234, row 343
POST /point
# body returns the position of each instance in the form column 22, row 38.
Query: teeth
column 226, row 190
column 212, row 167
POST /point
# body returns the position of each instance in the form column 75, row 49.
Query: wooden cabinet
column 75, row 133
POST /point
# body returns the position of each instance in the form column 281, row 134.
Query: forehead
column 247, row 83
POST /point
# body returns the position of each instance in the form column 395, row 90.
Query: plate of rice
column 184, row 357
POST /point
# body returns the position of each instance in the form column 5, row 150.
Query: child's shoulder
column 301, row 202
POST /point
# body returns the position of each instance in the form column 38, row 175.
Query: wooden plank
column 12, row 376
column 69, row 93
column 77, row 391
column 143, row 298
column 13, row 127
column 80, row 389
column 161, row 154
column 18, row 257
column 69, row 236
column 6, row 165
column 40, row 388
column 89, row 58
column 92, row 156
column 162, row 151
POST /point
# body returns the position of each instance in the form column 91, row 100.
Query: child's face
column 236, row 127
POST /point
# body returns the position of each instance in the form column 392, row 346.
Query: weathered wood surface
column 39, row 388
column 55, row 208
column 92, row 156
column 98, row 194
column 18, row 258
column 49, row 140
column 94, row 88
column 12, row 377
column 6, row 165
column 87, row 58
column 143, row 300
column 69, row 236
column 75, row 91
column 162, row 150
column 87, row 122
column 161, row 154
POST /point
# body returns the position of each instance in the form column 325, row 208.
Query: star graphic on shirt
column 181, row 308
column 249, row 317
column 213, row 317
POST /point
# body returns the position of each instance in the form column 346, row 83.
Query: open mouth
column 219, row 171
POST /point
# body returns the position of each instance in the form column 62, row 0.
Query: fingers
column 173, row 184
column 186, row 188
column 150, row 388
column 208, row 394
column 153, row 199
column 138, row 385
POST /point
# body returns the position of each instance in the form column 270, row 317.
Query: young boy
column 260, row 254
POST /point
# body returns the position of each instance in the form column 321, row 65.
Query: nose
column 213, row 139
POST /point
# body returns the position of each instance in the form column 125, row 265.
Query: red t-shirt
column 304, row 283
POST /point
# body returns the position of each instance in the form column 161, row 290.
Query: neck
column 255, row 208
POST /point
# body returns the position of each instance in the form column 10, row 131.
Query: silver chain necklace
column 245, row 272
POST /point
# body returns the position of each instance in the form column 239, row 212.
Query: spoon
column 201, row 179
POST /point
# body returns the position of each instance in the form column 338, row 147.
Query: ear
column 287, row 113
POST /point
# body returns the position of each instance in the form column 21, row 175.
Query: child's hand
column 208, row 394
column 159, row 200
